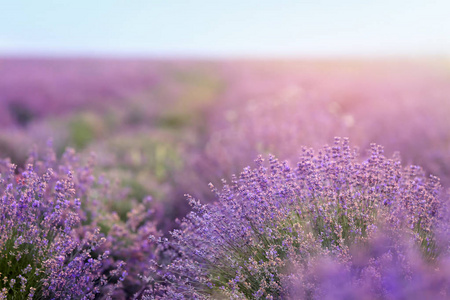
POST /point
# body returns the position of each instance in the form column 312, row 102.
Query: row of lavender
column 332, row 227
column 337, row 225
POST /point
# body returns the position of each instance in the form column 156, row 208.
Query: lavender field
column 224, row 179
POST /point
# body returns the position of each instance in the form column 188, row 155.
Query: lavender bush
column 126, row 240
column 274, row 221
column 43, row 254
column 61, row 237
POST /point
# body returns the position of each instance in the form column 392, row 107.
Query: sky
column 218, row 28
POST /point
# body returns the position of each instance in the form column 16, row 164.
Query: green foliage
column 17, row 261
column 84, row 128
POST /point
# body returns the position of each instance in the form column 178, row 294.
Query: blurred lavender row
column 278, row 107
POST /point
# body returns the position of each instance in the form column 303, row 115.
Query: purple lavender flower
column 59, row 237
column 126, row 241
column 42, row 253
column 274, row 221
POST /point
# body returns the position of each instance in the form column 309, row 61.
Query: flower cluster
column 274, row 221
column 126, row 240
column 129, row 242
column 60, row 238
column 43, row 254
